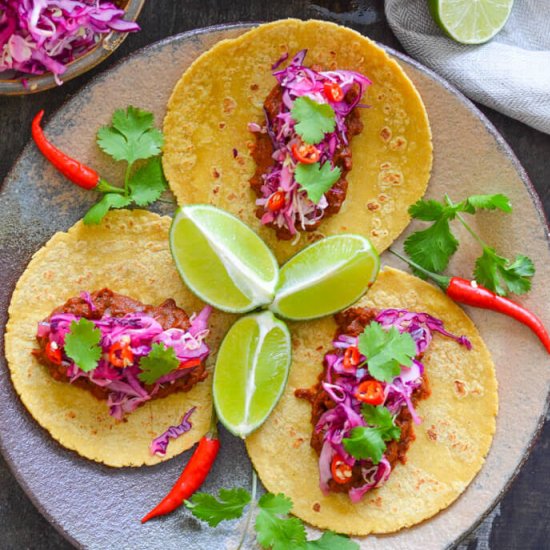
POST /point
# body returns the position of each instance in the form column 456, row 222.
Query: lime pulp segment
column 471, row 21
column 221, row 259
column 251, row 372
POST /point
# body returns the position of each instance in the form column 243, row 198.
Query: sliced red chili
column 371, row 392
column 189, row 364
column 341, row 472
column 53, row 353
column 306, row 153
column 276, row 201
column 351, row 357
column 120, row 354
column 333, row 91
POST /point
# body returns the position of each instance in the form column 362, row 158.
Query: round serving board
column 98, row 507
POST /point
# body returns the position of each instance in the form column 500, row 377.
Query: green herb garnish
column 160, row 361
column 82, row 344
column 315, row 179
column 313, row 120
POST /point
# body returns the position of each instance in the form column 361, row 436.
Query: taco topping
column 303, row 152
column 122, row 350
column 363, row 406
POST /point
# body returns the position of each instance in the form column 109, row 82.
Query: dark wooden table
column 521, row 519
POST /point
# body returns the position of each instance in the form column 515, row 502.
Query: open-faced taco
column 90, row 308
column 301, row 129
column 363, row 448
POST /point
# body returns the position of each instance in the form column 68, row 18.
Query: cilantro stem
column 127, row 177
column 250, row 510
column 461, row 219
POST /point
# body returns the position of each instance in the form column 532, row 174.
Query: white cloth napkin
column 511, row 73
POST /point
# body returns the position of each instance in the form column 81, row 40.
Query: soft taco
column 233, row 140
column 116, row 280
column 426, row 431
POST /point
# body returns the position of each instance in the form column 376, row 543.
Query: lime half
column 251, row 371
column 221, row 259
column 326, row 277
column 471, row 21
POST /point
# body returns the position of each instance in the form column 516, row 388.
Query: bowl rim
column 30, row 84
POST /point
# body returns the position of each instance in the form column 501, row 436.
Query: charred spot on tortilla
column 129, row 330
column 279, row 148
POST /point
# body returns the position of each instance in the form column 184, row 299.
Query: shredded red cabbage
column 37, row 36
column 297, row 81
column 127, row 391
column 159, row 445
column 341, row 385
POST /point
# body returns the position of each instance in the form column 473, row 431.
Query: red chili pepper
column 351, row 357
column 120, row 354
column 473, row 294
column 193, row 474
column 341, row 472
column 276, row 201
column 306, row 153
column 371, row 392
column 53, row 353
column 72, row 169
column 333, row 91
column 189, row 364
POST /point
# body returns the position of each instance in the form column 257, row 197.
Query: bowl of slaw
column 44, row 43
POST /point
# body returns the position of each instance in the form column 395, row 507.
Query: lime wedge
column 326, row 277
column 471, row 21
column 251, row 371
column 221, row 259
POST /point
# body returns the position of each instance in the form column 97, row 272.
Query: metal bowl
column 14, row 85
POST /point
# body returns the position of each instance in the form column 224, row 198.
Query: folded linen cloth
column 510, row 73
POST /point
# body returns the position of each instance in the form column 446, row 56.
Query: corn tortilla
column 224, row 90
column 129, row 254
column 451, row 443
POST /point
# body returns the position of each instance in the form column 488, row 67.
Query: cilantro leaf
column 428, row 211
column 131, row 136
column 331, row 541
column 110, row 200
column 313, row 119
column 486, row 202
column 229, row 505
column 160, row 361
column 369, row 442
column 386, row 351
column 432, row 248
column 275, row 532
column 147, row 183
column 502, row 276
column 82, row 344
column 315, row 179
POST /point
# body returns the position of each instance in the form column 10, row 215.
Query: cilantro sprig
column 313, row 120
column 316, row 179
column 433, row 247
column 274, row 529
column 369, row 442
column 386, row 350
column 82, row 344
column 160, row 361
column 130, row 138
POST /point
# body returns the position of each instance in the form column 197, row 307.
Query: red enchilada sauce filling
column 284, row 153
column 400, row 396
column 129, row 330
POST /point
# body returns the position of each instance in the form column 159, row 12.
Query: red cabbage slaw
column 341, row 385
column 127, row 391
column 296, row 81
column 37, row 36
column 159, row 445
